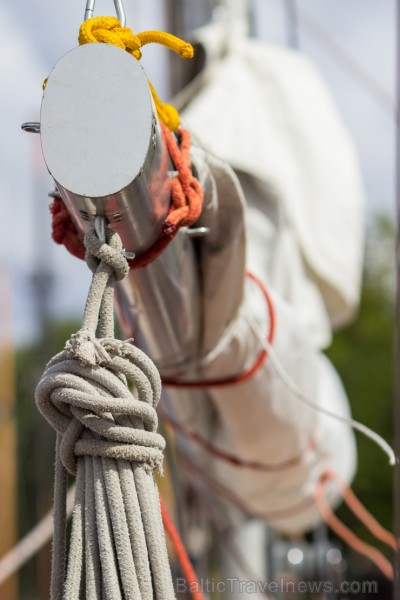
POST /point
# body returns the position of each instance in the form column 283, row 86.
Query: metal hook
column 100, row 228
column 119, row 9
column 31, row 127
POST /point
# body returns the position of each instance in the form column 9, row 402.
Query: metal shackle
column 119, row 9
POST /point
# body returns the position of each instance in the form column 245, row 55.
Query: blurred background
column 43, row 288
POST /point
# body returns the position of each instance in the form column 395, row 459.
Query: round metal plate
column 96, row 120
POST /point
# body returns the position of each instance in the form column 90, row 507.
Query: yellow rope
column 109, row 31
column 184, row 49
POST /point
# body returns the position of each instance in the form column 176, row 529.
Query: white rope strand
column 31, row 543
column 298, row 393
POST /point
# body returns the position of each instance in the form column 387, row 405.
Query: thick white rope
column 107, row 437
column 298, row 393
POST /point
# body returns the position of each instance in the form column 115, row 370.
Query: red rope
column 363, row 514
column 259, row 362
column 324, row 509
column 186, row 197
column 231, row 458
column 64, row 230
column 181, row 554
column 186, row 205
column 344, row 532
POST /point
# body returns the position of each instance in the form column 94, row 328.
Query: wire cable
column 292, row 24
column 345, row 60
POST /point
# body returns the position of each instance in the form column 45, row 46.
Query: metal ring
column 197, row 231
column 119, row 9
column 31, row 127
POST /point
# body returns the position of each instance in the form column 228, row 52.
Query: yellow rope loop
column 108, row 30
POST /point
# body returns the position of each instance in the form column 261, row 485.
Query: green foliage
column 363, row 356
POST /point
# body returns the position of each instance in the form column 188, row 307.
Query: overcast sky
column 35, row 34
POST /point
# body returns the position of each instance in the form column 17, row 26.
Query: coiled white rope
column 106, row 437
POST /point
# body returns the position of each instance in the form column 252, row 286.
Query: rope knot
column 115, row 347
column 92, row 408
column 109, row 253
column 84, row 391
column 87, row 349
column 109, row 31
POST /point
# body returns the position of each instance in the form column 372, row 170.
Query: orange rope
column 259, row 362
column 186, row 205
column 363, row 514
column 186, row 197
column 345, row 533
column 325, row 511
column 181, row 554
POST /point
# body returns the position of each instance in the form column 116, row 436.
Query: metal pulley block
column 105, row 150
column 103, row 146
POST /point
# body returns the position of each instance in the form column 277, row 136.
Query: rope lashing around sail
column 109, row 31
column 187, row 199
column 258, row 363
column 106, row 437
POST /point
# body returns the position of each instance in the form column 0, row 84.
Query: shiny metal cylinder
column 104, row 148
column 159, row 306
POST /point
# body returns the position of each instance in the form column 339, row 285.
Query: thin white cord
column 296, row 391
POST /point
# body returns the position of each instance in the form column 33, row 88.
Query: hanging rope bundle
column 106, row 437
